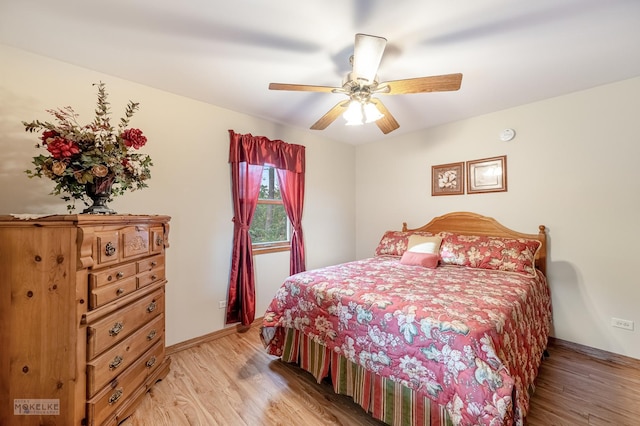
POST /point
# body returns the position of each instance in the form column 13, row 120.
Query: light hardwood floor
column 231, row 381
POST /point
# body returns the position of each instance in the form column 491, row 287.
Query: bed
column 458, row 341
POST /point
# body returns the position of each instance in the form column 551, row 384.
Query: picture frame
column 487, row 175
column 447, row 179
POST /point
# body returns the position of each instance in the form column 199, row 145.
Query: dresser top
column 81, row 219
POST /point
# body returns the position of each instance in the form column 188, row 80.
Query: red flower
column 134, row 138
column 62, row 148
column 49, row 134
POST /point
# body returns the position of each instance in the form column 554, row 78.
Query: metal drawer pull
column 115, row 363
column 159, row 241
column 116, row 396
column 152, row 307
column 151, row 362
column 119, row 275
column 154, row 277
column 109, row 249
column 117, row 328
column 151, row 335
column 154, row 264
column 120, row 291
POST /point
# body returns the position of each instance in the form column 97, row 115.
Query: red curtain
column 292, row 189
column 245, row 187
column 247, row 155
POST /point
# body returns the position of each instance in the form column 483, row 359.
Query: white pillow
column 421, row 244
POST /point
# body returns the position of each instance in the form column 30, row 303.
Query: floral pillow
column 395, row 243
column 496, row 253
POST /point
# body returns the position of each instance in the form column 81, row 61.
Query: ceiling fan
column 361, row 84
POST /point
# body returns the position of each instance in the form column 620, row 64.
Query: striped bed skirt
column 385, row 400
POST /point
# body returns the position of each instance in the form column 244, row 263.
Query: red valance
column 258, row 150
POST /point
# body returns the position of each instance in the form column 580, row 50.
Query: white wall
column 189, row 145
column 573, row 167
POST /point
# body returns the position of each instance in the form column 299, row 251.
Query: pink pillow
column 428, row 260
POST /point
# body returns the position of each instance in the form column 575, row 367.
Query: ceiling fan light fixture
column 354, row 114
column 359, row 113
column 371, row 113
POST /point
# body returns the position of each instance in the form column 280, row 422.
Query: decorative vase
column 100, row 192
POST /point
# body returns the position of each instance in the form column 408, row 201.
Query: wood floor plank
column 232, row 381
column 578, row 389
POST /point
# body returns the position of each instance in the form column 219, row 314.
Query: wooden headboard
column 467, row 223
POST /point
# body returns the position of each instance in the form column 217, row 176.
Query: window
column 270, row 229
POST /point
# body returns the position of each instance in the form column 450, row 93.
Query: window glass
column 270, row 225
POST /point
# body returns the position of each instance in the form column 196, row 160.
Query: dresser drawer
column 105, row 404
column 120, row 272
column 150, row 263
column 157, row 240
column 108, row 293
column 107, row 366
column 150, row 277
column 115, row 327
column 135, row 242
column 108, row 247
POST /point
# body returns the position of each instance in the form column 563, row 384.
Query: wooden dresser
column 82, row 301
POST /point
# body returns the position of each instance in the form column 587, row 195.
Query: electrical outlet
column 222, row 304
column 622, row 323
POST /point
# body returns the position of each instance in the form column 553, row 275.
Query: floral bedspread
column 469, row 339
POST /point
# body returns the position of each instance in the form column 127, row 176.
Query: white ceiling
column 511, row 52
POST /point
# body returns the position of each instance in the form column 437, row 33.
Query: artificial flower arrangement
column 95, row 155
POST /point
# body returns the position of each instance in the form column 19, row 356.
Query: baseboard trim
column 599, row 354
column 232, row 329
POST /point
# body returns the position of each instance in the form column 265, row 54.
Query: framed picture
column 447, row 179
column 487, row 175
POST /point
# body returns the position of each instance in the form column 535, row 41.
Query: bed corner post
column 404, row 227
column 542, row 234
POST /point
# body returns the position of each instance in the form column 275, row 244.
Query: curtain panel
column 248, row 154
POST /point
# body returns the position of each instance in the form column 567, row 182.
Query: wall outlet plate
column 622, row 323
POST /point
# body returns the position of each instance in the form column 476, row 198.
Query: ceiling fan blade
column 367, row 55
column 387, row 123
column 301, row 87
column 436, row 83
column 330, row 116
